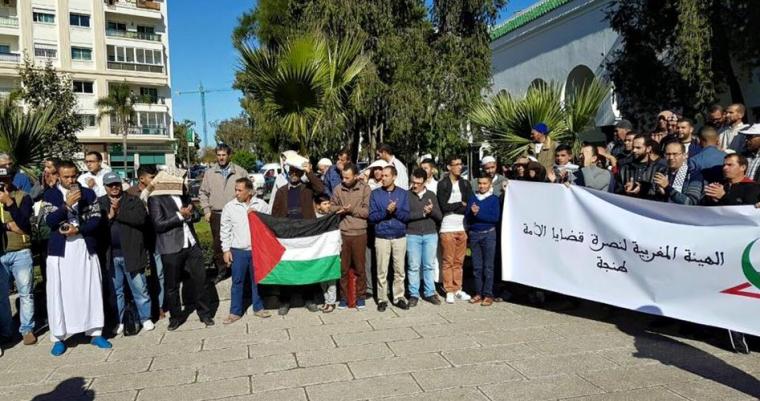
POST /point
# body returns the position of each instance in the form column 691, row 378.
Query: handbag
column 131, row 320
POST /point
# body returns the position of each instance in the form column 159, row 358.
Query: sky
column 201, row 51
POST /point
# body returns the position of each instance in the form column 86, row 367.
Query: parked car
column 263, row 181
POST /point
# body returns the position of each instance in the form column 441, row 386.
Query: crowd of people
column 96, row 239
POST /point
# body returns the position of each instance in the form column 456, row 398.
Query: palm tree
column 305, row 85
column 119, row 107
column 22, row 134
column 505, row 122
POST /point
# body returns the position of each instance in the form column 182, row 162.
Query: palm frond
column 22, row 134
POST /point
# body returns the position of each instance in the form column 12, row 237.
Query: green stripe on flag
column 301, row 272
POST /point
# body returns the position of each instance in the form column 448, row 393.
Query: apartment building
column 99, row 43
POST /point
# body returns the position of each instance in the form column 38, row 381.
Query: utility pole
column 203, row 91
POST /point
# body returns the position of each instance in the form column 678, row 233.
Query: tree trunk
column 722, row 58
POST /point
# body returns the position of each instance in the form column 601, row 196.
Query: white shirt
column 189, row 239
column 453, row 222
column 432, row 185
column 538, row 147
column 99, row 189
column 402, row 179
column 234, row 231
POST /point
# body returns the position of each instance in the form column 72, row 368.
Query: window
column 5, row 49
column 146, row 29
column 134, row 59
column 81, row 53
column 89, row 120
column 46, row 18
column 45, row 51
column 149, row 95
column 82, row 20
column 116, row 26
column 83, row 87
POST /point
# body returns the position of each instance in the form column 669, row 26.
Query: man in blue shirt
column 389, row 212
column 710, row 160
column 333, row 176
column 21, row 181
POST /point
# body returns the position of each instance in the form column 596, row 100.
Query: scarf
column 679, row 178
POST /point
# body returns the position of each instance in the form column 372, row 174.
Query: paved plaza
column 451, row 352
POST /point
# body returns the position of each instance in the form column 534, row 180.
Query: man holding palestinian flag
column 295, row 250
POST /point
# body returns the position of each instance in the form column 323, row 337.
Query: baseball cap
column 541, row 128
column 624, row 124
column 487, row 159
column 111, row 178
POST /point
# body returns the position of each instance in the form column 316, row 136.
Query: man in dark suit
column 171, row 211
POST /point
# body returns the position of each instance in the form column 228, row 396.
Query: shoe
column 58, row 348
column 361, row 304
column 221, row 275
column 328, row 308
column 262, row 314
column 118, row 330
column 342, row 304
column 283, row 310
column 148, row 325
column 29, row 338
column 433, row 299
column 311, row 306
column 476, row 299
column 462, row 296
column 101, row 342
column 413, row 302
column 449, row 297
column 208, row 321
column 738, row 342
column 231, row 319
column 487, row 301
column 382, row 306
column 401, row 304
column 174, row 324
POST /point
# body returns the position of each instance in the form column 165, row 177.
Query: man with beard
column 733, row 124
column 617, row 147
column 685, row 135
column 681, row 183
column 636, row 178
column 752, row 135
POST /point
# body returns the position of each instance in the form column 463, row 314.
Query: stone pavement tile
column 330, row 329
column 362, row 389
column 748, row 363
column 290, row 394
column 99, row 369
column 454, row 394
column 474, row 313
column 136, row 381
column 200, row 334
column 281, row 322
column 24, row 376
column 466, row 376
column 583, row 328
column 514, row 335
column 721, row 390
column 639, row 377
column 291, row 346
column 343, row 355
column 627, row 357
column 143, row 338
column 130, row 395
column 353, row 315
column 488, row 354
column 376, row 336
column 546, row 388
column 593, row 342
column 197, row 391
column 460, row 327
column 300, row 377
column 435, row 344
column 39, row 356
column 199, row 359
column 121, row 354
column 246, row 367
column 231, row 340
column 407, row 321
column 50, row 391
column 553, row 365
column 400, row 364
column 648, row 394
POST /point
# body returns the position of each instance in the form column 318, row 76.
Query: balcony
column 113, row 65
column 144, row 8
column 149, row 4
column 133, row 35
column 9, row 22
column 10, row 58
column 153, row 130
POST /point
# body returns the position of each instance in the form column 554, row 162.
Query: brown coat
column 308, row 189
column 546, row 156
column 354, row 223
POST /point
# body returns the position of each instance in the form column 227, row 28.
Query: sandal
column 327, row 308
column 231, row 319
column 476, row 299
column 487, row 301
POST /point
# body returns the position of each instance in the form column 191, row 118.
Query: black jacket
column 131, row 219
column 643, row 173
column 444, row 192
column 746, row 192
column 418, row 223
column 170, row 234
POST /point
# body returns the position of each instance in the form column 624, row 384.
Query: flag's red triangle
column 266, row 248
column 739, row 290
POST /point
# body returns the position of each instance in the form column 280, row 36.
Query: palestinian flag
column 294, row 252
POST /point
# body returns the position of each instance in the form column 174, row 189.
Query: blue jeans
column 137, row 285
column 159, row 265
column 19, row 265
column 483, row 247
column 422, row 251
column 242, row 268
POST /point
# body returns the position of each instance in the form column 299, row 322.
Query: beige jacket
column 354, row 223
column 215, row 192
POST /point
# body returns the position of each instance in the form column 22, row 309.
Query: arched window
column 537, row 83
column 578, row 78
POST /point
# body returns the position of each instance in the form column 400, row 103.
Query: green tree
column 244, row 159
column 689, row 50
column 119, row 107
column 23, row 135
column 180, row 135
column 43, row 88
column 237, row 133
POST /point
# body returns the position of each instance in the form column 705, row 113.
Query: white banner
column 688, row 262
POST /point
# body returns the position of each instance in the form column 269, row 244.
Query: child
column 483, row 213
column 322, row 208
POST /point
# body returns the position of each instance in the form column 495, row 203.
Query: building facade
column 100, row 43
